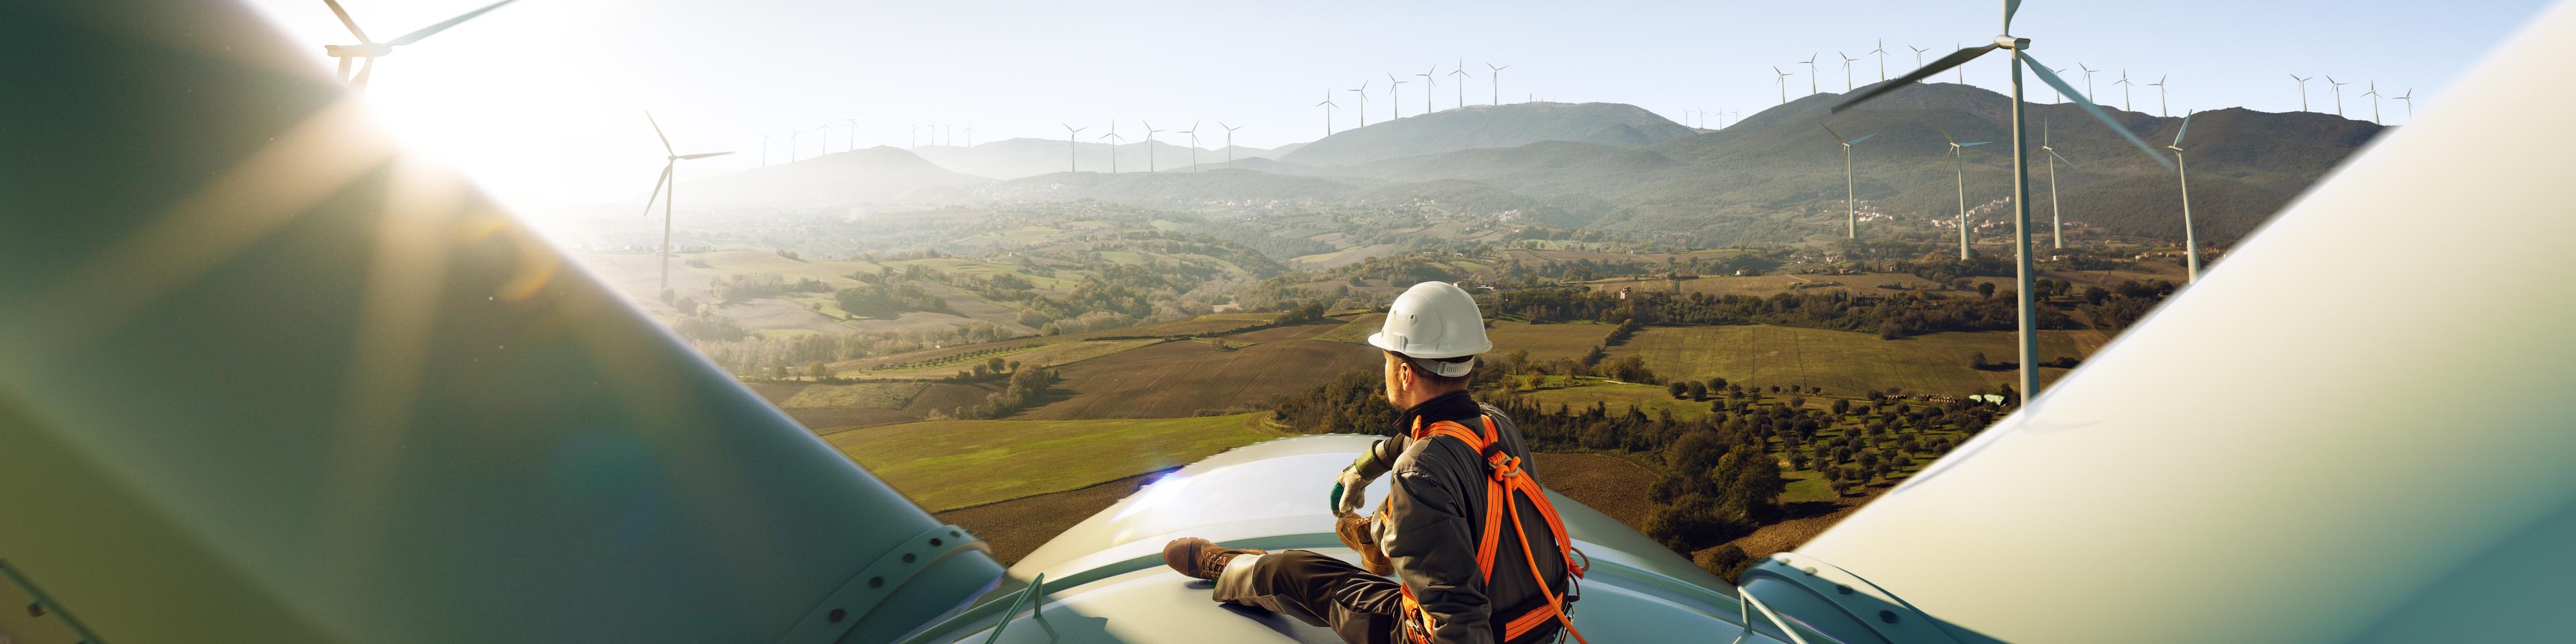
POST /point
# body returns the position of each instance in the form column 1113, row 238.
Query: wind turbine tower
column 1149, row 145
column 1497, row 77
column 1194, row 145
column 2374, row 102
column 2056, row 224
column 1847, row 61
column 823, row 137
column 764, row 148
column 2163, row 109
column 1851, row 199
column 1811, row 74
column 1958, row 153
column 1881, row 51
column 853, row 132
column 1430, row 81
column 2303, row 91
column 1461, row 81
column 1395, row 96
column 2337, row 87
column 1229, row 143
column 792, row 137
column 667, row 190
column 1072, row 148
column 1113, row 138
column 2191, row 245
column 2124, row 91
column 369, row 50
column 2088, row 81
column 1918, row 54
column 1363, row 92
column 2409, row 99
column 1328, row 111
column 1784, row 84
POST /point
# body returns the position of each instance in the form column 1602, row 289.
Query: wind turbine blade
column 2061, row 158
column 1863, row 137
column 1945, row 133
column 2010, row 7
column 657, row 189
column 1955, row 59
column 2186, row 128
column 2052, row 80
column 666, row 141
column 1838, row 136
column 364, row 71
column 703, row 155
column 344, row 68
column 425, row 32
column 1972, row 144
column 344, row 19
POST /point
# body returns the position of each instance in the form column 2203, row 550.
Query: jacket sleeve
column 1381, row 457
column 1433, row 544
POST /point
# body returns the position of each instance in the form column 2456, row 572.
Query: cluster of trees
column 744, row 288
column 1027, row 388
column 885, row 300
column 2116, row 308
column 1891, row 316
column 756, row 356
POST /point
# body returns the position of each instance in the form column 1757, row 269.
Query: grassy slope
column 950, row 464
column 1184, row 378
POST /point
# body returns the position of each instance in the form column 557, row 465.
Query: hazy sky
column 544, row 99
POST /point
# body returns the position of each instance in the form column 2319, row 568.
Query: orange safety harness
column 1505, row 481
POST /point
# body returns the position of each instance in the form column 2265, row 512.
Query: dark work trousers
column 1318, row 590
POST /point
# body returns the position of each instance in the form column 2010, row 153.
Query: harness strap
column 1505, row 482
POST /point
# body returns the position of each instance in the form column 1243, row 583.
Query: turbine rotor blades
column 1863, row 137
column 344, row 68
column 364, row 70
column 2010, row 7
column 2186, row 127
column 703, row 155
column 2052, row 80
column 344, row 19
column 425, row 32
column 1838, row 136
column 2061, row 158
column 1972, row 144
column 657, row 188
column 1945, row 134
column 1955, row 59
column 666, row 140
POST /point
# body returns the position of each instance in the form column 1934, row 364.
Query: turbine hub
column 2007, row 41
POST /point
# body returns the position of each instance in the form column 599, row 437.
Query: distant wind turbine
column 2331, row 83
column 1811, row 74
column 370, row 50
column 1149, row 145
column 1918, row 54
column 793, row 136
column 970, row 135
column 823, row 137
column 1784, row 84
column 2303, row 91
column 1229, row 143
column 2124, row 91
column 2088, row 82
column 2191, row 245
column 1328, row 111
column 1461, row 81
column 667, row 190
column 1497, row 78
column 1430, row 80
column 1072, row 148
column 854, row 133
column 1963, row 70
column 2409, row 99
column 1847, row 61
column 2374, row 102
column 1395, row 96
column 2163, row 109
column 1851, row 199
column 1958, row 153
column 764, row 148
column 1363, row 111
column 2056, row 224
column 1881, row 51
column 1113, row 138
column 1194, row 144
column 2061, row 95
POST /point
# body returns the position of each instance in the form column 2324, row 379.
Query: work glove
column 1356, row 533
column 1350, row 491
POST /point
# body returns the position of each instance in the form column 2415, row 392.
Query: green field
column 1843, row 362
column 1547, row 341
column 866, row 396
column 1618, row 397
column 1187, row 378
column 1060, row 353
column 950, row 464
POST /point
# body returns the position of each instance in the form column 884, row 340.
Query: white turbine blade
column 1863, row 137
column 657, row 189
column 666, row 140
column 425, row 32
column 2061, row 158
column 1945, row 134
column 703, row 155
column 1838, row 136
column 2010, row 7
column 1957, row 58
column 364, row 70
column 2052, row 80
column 1972, row 144
column 2186, row 127
column 344, row 19
column 344, row 68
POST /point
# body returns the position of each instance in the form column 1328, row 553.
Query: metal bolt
column 837, row 614
column 1888, row 616
column 908, row 557
column 934, row 543
column 1840, row 588
column 35, row 610
column 876, row 582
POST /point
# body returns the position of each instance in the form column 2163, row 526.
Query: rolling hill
column 840, row 178
column 1490, row 126
column 1029, row 157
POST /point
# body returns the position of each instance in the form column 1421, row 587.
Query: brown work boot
column 1201, row 558
column 1355, row 534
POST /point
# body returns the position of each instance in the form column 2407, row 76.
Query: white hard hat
column 1433, row 321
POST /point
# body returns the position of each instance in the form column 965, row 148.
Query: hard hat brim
column 1380, row 340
